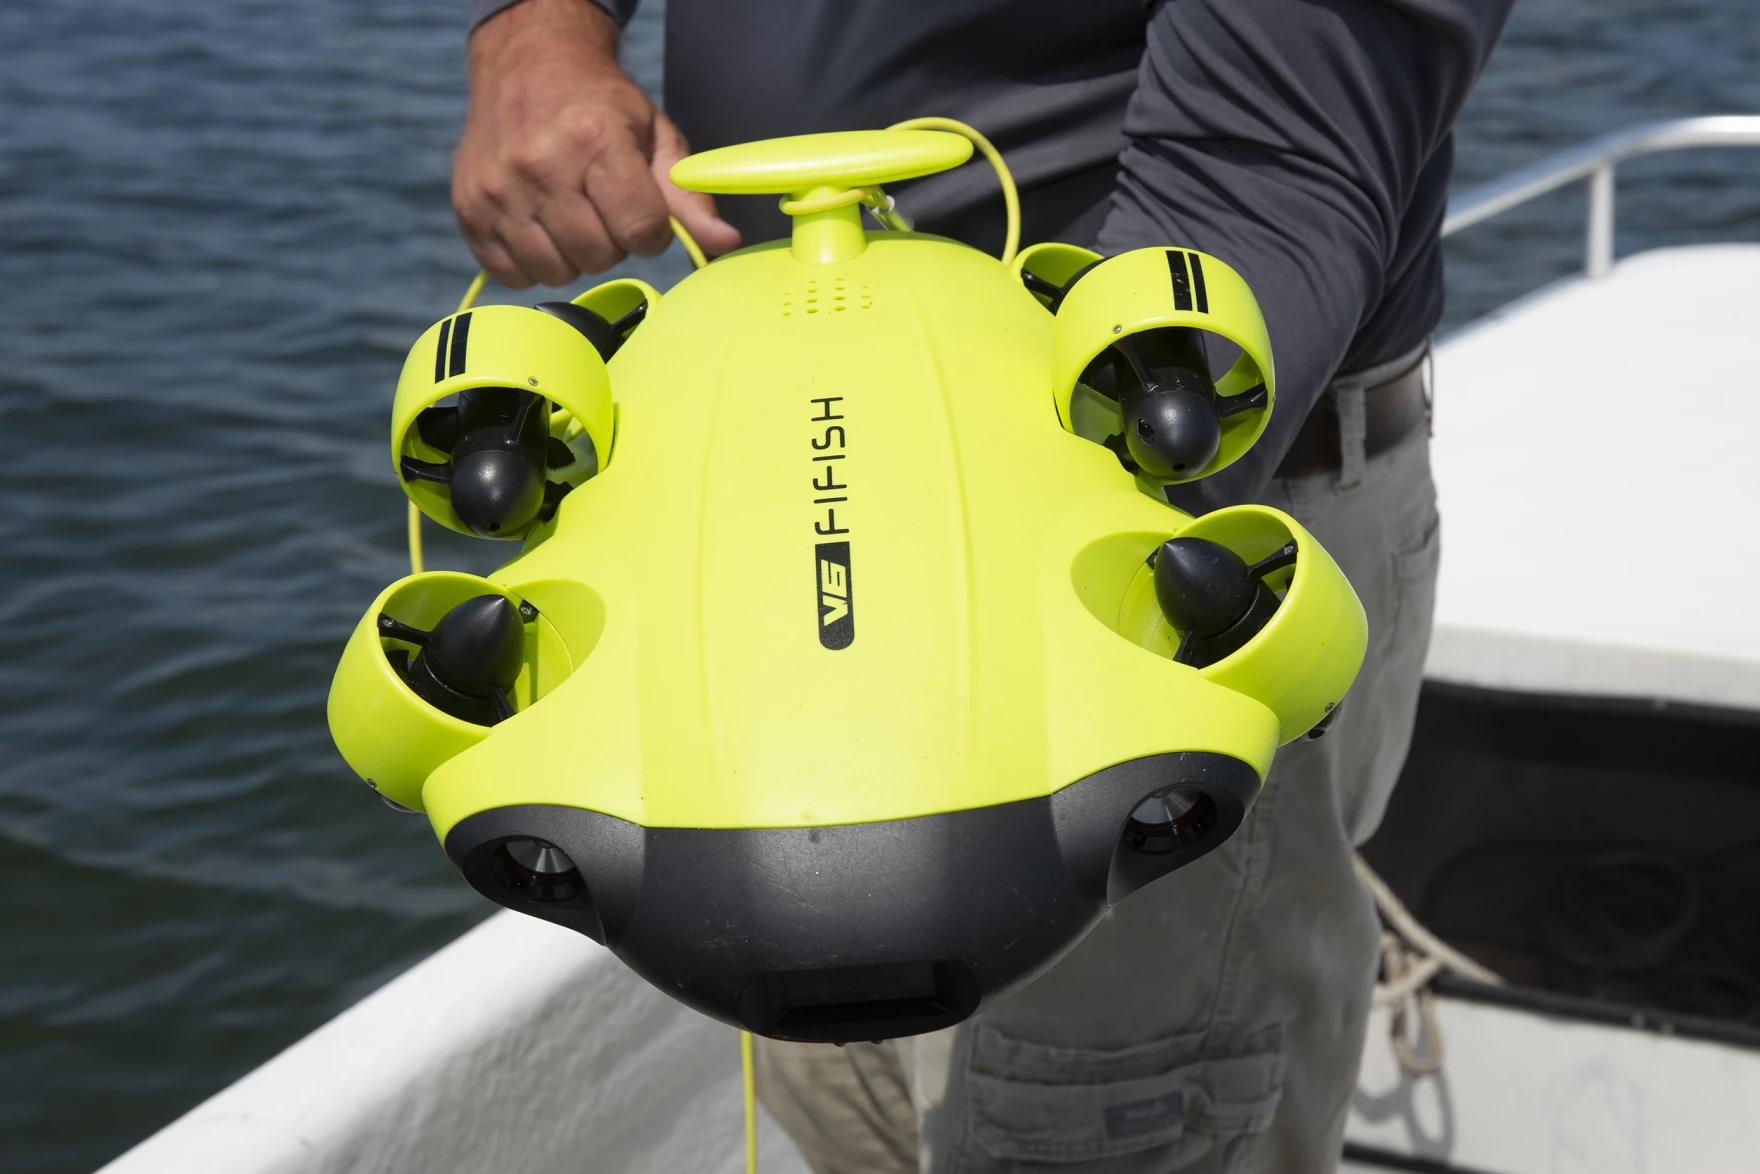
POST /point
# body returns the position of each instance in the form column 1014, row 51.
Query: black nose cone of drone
column 1172, row 428
column 498, row 439
column 468, row 664
column 479, row 645
column 497, row 490
column 1212, row 596
column 1173, row 432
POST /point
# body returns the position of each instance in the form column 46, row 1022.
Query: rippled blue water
column 220, row 226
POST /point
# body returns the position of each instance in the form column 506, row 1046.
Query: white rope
column 1411, row 957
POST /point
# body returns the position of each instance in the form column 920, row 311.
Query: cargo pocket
column 1415, row 564
column 1386, row 695
column 1032, row 1102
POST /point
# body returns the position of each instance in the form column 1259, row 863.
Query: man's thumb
column 694, row 210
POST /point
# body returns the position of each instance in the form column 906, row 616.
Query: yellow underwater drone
column 853, row 663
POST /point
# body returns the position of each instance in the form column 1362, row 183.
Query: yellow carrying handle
column 842, row 159
column 827, row 173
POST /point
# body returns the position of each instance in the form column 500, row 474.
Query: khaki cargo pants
column 1214, row 1021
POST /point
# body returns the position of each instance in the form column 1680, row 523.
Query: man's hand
column 562, row 167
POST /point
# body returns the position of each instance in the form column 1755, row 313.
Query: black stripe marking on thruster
column 1198, row 285
column 440, row 351
column 461, row 332
column 1182, row 283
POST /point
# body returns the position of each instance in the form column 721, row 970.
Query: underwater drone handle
column 826, row 179
column 799, row 165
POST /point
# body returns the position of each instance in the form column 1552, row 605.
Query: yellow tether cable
column 871, row 196
column 1011, row 200
column 745, row 1066
column 698, row 260
column 415, row 539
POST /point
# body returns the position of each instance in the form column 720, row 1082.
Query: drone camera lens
column 532, row 869
column 1169, row 820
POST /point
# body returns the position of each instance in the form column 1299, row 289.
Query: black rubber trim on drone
column 461, row 335
column 1368, row 1155
column 856, row 931
column 1182, row 282
column 440, row 350
column 1198, row 291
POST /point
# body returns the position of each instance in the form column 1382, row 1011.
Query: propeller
column 1052, row 292
column 606, row 336
column 500, row 444
column 1172, row 414
column 467, row 665
column 1213, row 596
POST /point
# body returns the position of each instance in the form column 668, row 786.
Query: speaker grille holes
column 838, row 298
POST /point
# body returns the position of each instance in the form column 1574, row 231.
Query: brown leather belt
column 1392, row 409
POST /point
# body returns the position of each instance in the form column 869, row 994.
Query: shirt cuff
column 482, row 10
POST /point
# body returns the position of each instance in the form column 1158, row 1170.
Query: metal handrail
column 1595, row 161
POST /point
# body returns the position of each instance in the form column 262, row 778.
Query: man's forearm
column 562, row 168
column 1307, row 145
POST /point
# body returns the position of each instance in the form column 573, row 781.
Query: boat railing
column 1595, row 161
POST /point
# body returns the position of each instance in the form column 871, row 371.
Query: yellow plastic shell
column 977, row 674
column 505, row 346
column 1139, row 291
column 849, row 565
column 844, row 683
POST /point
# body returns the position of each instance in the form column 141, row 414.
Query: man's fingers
column 492, row 256
column 477, row 224
column 579, row 233
column 534, row 254
column 695, row 210
column 628, row 200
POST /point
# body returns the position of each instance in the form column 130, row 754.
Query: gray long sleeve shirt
column 1305, row 142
